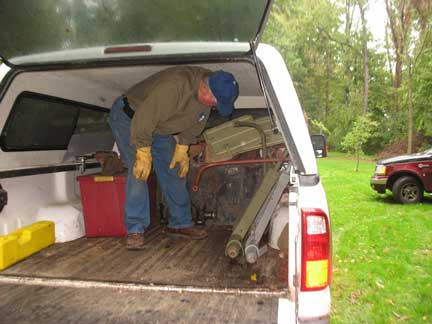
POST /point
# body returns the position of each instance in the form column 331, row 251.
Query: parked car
column 319, row 144
column 67, row 63
column 407, row 176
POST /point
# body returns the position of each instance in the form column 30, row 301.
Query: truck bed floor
column 166, row 260
column 23, row 304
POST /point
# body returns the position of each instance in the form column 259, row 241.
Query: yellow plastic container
column 25, row 242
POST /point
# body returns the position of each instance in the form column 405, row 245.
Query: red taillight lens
column 316, row 260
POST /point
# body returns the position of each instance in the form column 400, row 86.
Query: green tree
column 339, row 75
column 422, row 94
column 305, row 32
column 360, row 133
column 409, row 22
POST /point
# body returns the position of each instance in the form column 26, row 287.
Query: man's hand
column 181, row 157
column 143, row 163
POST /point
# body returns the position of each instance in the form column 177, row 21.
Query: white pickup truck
column 64, row 62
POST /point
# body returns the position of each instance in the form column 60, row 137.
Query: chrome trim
column 130, row 286
column 378, row 181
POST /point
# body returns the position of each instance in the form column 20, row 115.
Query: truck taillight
column 316, row 258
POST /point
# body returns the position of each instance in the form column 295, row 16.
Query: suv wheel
column 407, row 190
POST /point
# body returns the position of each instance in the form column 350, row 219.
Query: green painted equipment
column 242, row 134
column 234, row 246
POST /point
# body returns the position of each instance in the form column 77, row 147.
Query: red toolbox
column 103, row 200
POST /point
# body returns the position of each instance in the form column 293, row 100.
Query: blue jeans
column 137, row 206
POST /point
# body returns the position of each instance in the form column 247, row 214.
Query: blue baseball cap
column 225, row 88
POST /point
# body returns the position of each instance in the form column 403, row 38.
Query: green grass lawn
column 382, row 251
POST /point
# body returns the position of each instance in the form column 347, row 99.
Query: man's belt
column 127, row 108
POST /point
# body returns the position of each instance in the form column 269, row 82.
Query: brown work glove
column 181, row 157
column 143, row 163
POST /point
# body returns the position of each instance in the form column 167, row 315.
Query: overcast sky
column 377, row 17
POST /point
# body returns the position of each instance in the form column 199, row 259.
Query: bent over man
column 175, row 101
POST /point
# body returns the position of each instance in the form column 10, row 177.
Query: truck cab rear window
column 41, row 122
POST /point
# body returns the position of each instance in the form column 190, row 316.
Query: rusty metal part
column 205, row 166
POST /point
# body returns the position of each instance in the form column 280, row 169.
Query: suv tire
column 407, row 190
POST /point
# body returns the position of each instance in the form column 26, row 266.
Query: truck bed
column 166, row 260
column 41, row 304
column 96, row 280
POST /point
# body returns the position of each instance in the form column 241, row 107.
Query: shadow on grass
column 427, row 200
column 388, row 199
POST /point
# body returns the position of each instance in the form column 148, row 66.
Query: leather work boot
column 135, row 241
column 192, row 233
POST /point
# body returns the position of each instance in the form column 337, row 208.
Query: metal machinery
column 237, row 177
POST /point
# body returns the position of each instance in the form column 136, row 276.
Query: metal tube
column 205, row 166
column 235, row 248
column 252, row 253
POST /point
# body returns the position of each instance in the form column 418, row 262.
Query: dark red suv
column 407, row 176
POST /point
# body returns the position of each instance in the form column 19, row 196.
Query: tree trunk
column 366, row 81
column 358, row 160
column 399, row 16
column 349, row 13
column 365, row 59
column 397, row 80
column 410, row 108
column 328, row 75
column 389, row 57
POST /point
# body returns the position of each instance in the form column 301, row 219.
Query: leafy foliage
column 322, row 42
column 360, row 133
column 423, row 93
